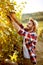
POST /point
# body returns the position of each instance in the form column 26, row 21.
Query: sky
column 32, row 6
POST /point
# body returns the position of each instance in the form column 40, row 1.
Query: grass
column 40, row 26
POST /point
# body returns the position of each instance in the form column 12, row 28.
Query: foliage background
column 10, row 41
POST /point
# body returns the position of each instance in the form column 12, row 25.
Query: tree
column 9, row 39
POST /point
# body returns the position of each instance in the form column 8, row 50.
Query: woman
column 30, row 37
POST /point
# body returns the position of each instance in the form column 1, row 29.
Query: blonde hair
column 35, row 24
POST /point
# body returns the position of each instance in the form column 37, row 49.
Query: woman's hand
column 13, row 15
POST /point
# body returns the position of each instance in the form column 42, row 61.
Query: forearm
column 15, row 25
column 16, row 20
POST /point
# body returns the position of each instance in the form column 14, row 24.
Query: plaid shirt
column 30, row 42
